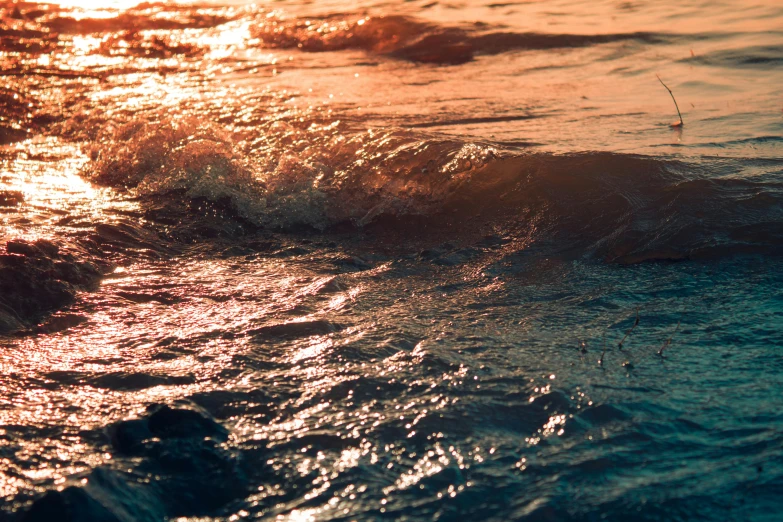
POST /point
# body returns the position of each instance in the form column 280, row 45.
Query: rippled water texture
column 381, row 260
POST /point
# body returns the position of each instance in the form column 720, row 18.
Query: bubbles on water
column 471, row 156
column 287, row 176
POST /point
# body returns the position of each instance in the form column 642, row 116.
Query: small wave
column 763, row 57
column 414, row 40
column 36, row 31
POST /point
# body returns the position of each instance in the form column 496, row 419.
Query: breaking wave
column 624, row 208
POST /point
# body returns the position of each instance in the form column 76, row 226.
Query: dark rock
column 169, row 463
column 181, row 447
column 196, row 476
column 52, row 506
column 108, row 496
column 128, row 436
column 23, row 248
column 29, row 287
column 80, row 273
column 164, row 422
column 47, row 247
column 167, row 422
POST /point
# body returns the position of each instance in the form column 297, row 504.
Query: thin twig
column 675, row 124
column 635, row 324
column 669, row 340
column 601, row 360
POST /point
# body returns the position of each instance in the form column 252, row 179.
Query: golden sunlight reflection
column 85, row 45
column 53, row 191
column 226, row 41
column 315, row 350
column 99, row 8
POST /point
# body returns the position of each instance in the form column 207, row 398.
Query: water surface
column 391, row 260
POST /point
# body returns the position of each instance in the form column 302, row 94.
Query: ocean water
column 386, row 260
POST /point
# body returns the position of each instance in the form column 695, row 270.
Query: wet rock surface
column 164, row 422
column 180, row 468
column 38, row 278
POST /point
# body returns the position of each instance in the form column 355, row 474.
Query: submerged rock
column 36, row 278
column 171, row 462
column 165, row 422
column 106, row 496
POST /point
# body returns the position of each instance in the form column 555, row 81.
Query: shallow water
column 381, row 260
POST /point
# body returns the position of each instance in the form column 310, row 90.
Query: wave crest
column 320, row 178
column 623, row 208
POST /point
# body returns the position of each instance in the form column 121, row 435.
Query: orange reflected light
column 98, row 5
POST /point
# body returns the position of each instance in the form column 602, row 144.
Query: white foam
column 286, row 177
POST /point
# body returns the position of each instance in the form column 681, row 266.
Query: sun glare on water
column 98, row 5
column 105, row 6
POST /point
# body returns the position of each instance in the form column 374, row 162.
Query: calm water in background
column 387, row 252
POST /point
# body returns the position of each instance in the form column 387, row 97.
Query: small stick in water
column 635, row 324
column 669, row 341
column 676, row 123
column 601, row 360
